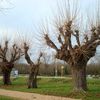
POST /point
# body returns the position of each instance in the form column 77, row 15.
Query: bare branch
column 77, row 37
column 27, row 57
column 50, row 43
column 60, row 39
column 38, row 63
column 16, row 53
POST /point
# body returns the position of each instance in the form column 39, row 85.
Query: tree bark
column 79, row 78
column 32, row 82
column 6, row 78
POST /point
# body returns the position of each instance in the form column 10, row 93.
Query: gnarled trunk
column 6, row 71
column 6, row 77
column 79, row 78
column 34, row 68
column 32, row 82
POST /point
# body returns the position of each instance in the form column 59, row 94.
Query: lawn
column 7, row 98
column 58, row 87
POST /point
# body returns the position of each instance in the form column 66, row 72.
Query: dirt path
column 30, row 96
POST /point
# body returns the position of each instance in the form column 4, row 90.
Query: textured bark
column 32, row 82
column 6, row 71
column 6, row 78
column 34, row 68
column 79, row 78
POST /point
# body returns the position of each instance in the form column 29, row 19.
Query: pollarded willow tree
column 9, row 54
column 79, row 54
column 34, row 68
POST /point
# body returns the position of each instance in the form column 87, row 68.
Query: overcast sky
column 23, row 15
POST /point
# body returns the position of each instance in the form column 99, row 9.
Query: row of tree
column 76, row 55
column 9, row 54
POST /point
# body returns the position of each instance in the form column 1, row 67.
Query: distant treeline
column 45, row 69
column 93, row 69
column 49, row 69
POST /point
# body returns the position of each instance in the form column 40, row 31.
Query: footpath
column 30, row 96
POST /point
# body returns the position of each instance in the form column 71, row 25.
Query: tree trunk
column 32, row 83
column 79, row 78
column 6, row 78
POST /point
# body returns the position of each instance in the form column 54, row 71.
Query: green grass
column 7, row 98
column 58, row 87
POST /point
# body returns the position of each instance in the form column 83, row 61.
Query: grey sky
column 23, row 15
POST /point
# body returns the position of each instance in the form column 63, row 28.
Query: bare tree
column 34, row 68
column 8, row 56
column 46, row 60
column 77, row 55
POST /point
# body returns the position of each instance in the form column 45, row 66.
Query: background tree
column 9, row 54
column 46, row 60
column 34, row 68
column 79, row 54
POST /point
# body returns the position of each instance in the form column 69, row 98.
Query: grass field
column 6, row 98
column 58, row 87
